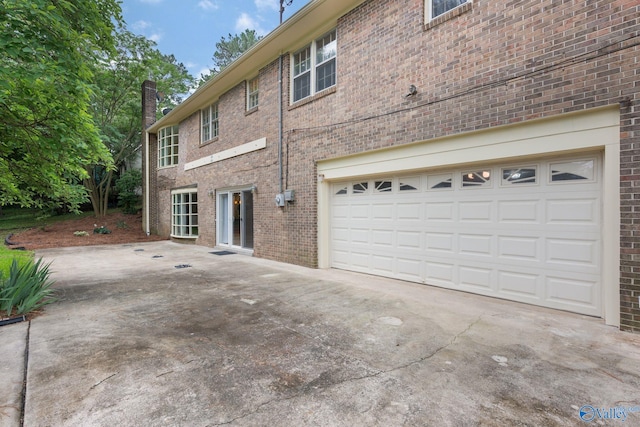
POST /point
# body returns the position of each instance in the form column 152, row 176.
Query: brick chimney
column 149, row 162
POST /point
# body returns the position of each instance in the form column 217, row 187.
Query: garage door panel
column 568, row 251
column 476, row 278
column 519, row 211
column 475, row 244
column 538, row 242
column 475, row 211
column 381, row 211
column 519, row 284
column 383, row 265
column 570, row 291
column 442, row 211
column 441, row 242
column 409, row 211
column 360, row 211
column 573, row 212
column 359, row 235
column 519, row 247
column 439, row 273
column 409, row 268
column 382, row 238
column 409, row 239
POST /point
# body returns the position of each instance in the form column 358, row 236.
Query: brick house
column 489, row 147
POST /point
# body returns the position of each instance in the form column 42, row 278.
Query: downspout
column 280, row 125
column 146, row 187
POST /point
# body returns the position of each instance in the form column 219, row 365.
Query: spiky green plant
column 27, row 288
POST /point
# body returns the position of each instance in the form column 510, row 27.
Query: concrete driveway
column 234, row 340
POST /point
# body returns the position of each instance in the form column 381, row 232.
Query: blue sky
column 190, row 29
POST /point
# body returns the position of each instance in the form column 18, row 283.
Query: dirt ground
column 124, row 229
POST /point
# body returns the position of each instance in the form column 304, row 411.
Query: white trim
column 593, row 130
column 428, row 6
column 249, row 147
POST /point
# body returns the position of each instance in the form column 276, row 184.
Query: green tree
column 47, row 135
column 228, row 50
column 116, row 105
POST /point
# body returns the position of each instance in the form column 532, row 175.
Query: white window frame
column 168, row 143
column 311, row 65
column 253, row 93
column 184, row 213
column 209, row 123
column 428, row 4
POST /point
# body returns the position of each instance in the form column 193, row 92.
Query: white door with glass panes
column 524, row 231
column 235, row 218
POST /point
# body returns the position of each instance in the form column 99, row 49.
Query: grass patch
column 14, row 220
column 7, row 256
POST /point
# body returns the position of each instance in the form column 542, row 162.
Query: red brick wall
column 489, row 64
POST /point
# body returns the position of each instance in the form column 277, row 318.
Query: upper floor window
column 210, row 125
column 252, row 93
column 440, row 7
column 314, row 67
column 168, row 146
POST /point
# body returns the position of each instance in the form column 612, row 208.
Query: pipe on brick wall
column 147, row 180
column 280, row 124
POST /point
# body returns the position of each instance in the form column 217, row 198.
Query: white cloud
column 141, row 25
column 156, row 37
column 246, row 22
column 267, row 4
column 207, row 5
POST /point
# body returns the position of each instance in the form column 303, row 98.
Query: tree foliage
column 228, row 50
column 116, row 104
column 47, row 134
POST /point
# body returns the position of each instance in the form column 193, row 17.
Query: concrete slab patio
column 163, row 334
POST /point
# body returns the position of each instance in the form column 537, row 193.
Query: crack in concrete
column 375, row 374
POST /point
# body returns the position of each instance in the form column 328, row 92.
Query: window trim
column 189, row 215
column 251, row 94
column 213, row 124
column 313, row 67
column 428, row 9
column 168, row 160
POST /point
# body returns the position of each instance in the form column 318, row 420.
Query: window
column 252, row 94
column 360, row 187
column 439, row 7
column 572, row 171
column 210, row 123
column 383, row 186
column 409, row 183
column 168, row 146
column 184, row 213
column 519, row 176
column 314, row 67
column 439, row 182
column 476, row 179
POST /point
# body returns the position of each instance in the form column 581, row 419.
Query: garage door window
column 572, row 171
column 439, row 182
column 476, row 179
column 410, row 183
column 524, row 175
column 383, row 186
column 360, row 187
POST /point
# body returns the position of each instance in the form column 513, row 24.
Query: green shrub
column 26, row 288
column 101, row 230
column 128, row 187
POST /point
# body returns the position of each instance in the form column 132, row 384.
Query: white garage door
column 527, row 232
